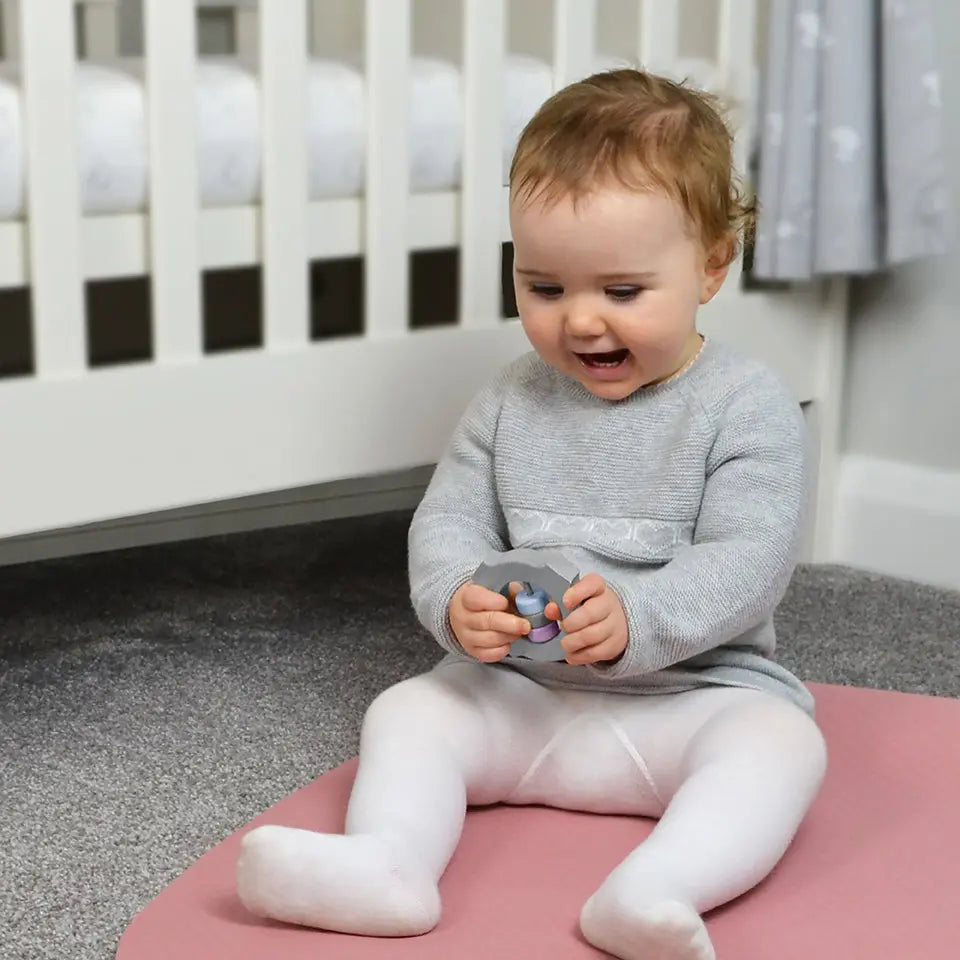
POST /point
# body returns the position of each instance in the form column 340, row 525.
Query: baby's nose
column 584, row 322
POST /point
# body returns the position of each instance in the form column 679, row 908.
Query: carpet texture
column 152, row 701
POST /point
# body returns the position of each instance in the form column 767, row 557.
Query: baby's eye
column 549, row 291
column 623, row 294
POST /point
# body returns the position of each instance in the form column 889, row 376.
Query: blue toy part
column 546, row 576
column 531, row 601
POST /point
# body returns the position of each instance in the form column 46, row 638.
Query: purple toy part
column 543, row 634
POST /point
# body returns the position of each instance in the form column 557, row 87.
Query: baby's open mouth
column 611, row 359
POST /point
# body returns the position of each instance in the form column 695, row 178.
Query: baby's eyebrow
column 530, row 273
column 623, row 277
column 627, row 275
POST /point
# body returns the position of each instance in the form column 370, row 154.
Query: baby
column 673, row 472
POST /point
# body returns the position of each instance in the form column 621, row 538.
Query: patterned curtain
column 851, row 172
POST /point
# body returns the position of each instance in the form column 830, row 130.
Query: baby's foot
column 350, row 884
column 669, row 930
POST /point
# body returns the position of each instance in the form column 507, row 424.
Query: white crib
column 185, row 427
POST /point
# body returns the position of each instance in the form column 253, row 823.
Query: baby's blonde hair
column 642, row 132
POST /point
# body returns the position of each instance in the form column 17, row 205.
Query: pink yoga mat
column 874, row 871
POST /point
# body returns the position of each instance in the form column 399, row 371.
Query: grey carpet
column 152, row 701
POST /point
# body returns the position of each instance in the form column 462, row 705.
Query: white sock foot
column 668, row 930
column 348, row 884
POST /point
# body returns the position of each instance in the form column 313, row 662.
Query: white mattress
column 112, row 130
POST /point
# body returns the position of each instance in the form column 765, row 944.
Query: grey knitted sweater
column 689, row 498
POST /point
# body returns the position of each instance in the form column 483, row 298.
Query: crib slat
column 283, row 79
column 386, row 275
column 53, row 194
column 574, row 40
column 736, row 47
column 170, row 45
column 482, row 178
column 659, row 35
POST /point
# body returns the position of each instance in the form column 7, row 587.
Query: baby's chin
column 619, row 390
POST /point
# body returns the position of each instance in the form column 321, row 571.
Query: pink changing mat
column 873, row 873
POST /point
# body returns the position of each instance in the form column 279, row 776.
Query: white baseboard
column 899, row 519
column 348, row 498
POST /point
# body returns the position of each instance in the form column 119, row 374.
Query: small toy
column 545, row 576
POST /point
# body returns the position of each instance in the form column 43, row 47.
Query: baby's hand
column 597, row 629
column 482, row 622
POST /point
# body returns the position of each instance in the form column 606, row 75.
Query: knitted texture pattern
column 689, row 498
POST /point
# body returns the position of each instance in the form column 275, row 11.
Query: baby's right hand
column 482, row 622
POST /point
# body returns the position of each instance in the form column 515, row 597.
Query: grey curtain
column 850, row 169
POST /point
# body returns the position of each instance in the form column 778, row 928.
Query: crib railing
column 56, row 250
column 61, row 252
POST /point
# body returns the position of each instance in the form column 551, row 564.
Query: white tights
column 728, row 773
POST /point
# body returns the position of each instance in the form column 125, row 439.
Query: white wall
column 900, row 487
column 904, row 372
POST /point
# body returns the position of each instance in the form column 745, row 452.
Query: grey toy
column 546, row 576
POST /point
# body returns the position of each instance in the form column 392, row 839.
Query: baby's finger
column 494, row 622
column 591, row 636
column 593, row 611
column 553, row 608
column 479, row 599
column 591, row 585
column 610, row 649
column 491, row 654
column 513, row 589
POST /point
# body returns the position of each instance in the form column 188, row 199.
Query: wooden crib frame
column 86, row 446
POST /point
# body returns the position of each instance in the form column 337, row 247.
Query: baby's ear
column 717, row 266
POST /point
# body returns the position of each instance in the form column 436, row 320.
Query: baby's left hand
column 597, row 628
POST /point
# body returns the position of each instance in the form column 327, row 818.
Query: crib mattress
column 112, row 129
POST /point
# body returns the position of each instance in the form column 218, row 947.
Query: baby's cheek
column 664, row 321
column 649, row 329
column 540, row 327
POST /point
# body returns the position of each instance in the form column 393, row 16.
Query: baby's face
column 608, row 292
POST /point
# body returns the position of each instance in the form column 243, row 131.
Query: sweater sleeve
column 744, row 547
column 459, row 522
